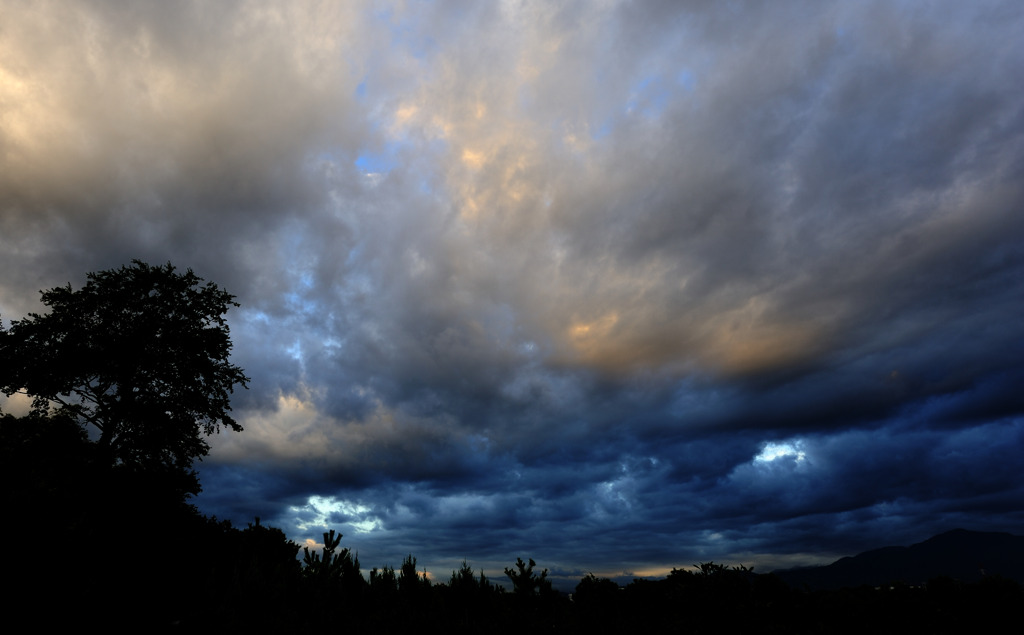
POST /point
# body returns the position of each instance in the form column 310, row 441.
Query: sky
column 617, row 286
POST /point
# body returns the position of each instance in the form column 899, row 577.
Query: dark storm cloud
column 547, row 280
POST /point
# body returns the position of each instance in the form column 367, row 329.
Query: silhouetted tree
column 533, row 599
column 44, row 464
column 141, row 354
column 597, row 602
column 471, row 603
column 462, row 581
column 408, row 578
column 383, row 581
column 524, row 582
column 330, row 565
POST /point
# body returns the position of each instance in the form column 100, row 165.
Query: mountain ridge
column 961, row 554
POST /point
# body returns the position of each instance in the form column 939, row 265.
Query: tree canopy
column 140, row 353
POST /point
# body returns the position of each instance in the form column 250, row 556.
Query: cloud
column 558, row 273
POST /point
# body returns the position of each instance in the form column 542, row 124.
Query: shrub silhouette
column 525, row 582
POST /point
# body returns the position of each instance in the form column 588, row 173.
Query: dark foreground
column 86, row 544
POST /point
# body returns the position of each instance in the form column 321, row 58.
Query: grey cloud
column 613, row 252
column 160, row 135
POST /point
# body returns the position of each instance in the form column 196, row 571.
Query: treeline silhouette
column 93, row 544
column 129, row 374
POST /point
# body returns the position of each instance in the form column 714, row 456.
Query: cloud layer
column 616, row 286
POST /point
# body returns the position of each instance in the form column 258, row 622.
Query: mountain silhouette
column 968, row 556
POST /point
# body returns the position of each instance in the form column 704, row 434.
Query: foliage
column 524, row 582
column 41, row 456
column 383, row 581
column 140, row 353
column 711, row 570
column 330, row 565
column 597, row 602
column 267, row 550
column 409, row 580
column 463, row 579
column 593, row 587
